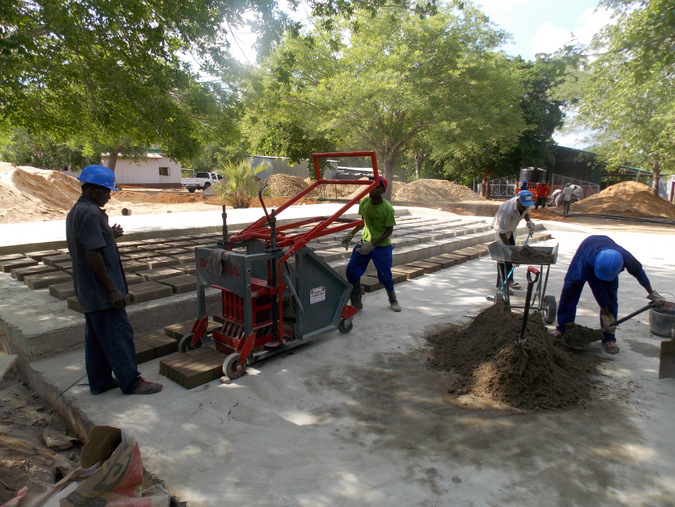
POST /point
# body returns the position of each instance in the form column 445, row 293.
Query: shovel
column 532, row 278
column 667, row 360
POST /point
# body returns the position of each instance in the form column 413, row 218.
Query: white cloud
column 549, row 38
column 591, row 22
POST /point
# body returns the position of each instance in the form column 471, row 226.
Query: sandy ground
column 29, row 424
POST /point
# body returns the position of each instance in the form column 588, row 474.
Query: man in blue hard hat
column 101, row 289
column 598, row 261
column 505, row 222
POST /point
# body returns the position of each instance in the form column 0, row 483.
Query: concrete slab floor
column 357, row 419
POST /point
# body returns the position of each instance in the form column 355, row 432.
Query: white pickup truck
column 200, row 180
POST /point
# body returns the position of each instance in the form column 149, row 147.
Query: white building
column 156, row 170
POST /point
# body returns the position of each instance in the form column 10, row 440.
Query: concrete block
column 21, row 273
column 443, row 262
column 40, row 254
column 74, row 305
column 148, row 291
column 409, row 272
column 428, row 267
column 23, row 262
column 187, row 258
column 189, row 270
column 134, row 279
column 144, row 351
column 132, row 266
column 161, row 261
column 62, row 290
column 53, row 260
column 42, row 280
column 370, row 283
column 154, row 275
column 11, row 257
column 181, row 284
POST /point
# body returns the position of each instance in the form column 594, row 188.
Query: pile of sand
column 284, row 185
column 482, row 361
column 626, row 198
column 429, row 191
column 28, row 194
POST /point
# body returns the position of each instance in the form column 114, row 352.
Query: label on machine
column 317, row 294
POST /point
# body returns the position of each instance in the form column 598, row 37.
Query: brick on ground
column 21, row 273
column 23, row 262
column 181, row 284
column 148, row 291
column 160, row 262
column 155, row 275
column 193, row 368
column 444, row 263
column 62, row 290
column 428, row 267
column 40, row 254
column 43, row 280
column 409, row 272
column 54, row 260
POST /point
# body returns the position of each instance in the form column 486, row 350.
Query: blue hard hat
column 608, row 264
column 98, row 175
column 525, row 198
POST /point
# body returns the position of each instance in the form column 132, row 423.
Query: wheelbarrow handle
column 532, row 272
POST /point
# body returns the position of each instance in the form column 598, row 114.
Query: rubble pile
column 430, row 191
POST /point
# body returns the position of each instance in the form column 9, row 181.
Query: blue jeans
column 109, row 348
column 382, row 257
column 569, row 299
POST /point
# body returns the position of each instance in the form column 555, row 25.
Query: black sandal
column 610, row 347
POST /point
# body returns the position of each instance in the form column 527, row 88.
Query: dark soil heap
column 484, row 360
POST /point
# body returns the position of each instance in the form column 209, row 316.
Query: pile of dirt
column 430, row 191
column 628, row 198
column 483, row 361
column 284, row 185
column 28, row 194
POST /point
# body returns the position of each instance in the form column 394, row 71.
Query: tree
column 392, row 79
column 22, row 148
column 630, row 91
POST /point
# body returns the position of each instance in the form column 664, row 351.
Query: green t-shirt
column 376, row 218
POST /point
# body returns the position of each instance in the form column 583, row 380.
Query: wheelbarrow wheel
column 344, row 326
column 186, row 344
column 230, row 367
column 549, row 309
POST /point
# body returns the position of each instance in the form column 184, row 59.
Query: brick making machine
column 277, row 293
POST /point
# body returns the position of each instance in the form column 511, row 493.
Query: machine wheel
column 230, row 368
column 185, row 343
column 549, row 309
column 343, row 327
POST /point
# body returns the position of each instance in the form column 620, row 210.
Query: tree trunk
column 485, row 187
column 388, row 163
column 112, row 159
column 656, row 177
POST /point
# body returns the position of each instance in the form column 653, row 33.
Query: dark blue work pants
column 109, row 348
column 569, row 299
column 382, row 257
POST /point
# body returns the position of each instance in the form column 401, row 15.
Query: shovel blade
column 667, row 362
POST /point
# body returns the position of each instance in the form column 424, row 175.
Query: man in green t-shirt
column 375, row 245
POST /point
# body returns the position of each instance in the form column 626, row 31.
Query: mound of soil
column 626, row 198
column 430, row 191
column 483, row 361
column 283, row 185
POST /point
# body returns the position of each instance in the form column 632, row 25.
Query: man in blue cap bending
column 506, row 220
column 598, row 261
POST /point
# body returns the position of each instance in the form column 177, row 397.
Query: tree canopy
column 629, row 93
column 393, row 82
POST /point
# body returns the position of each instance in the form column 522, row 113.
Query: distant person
column 505, row 222
column 523, row 186
column 566, row 197
column 598, row 261
column 542, row 190
column 101, row 289
column 379, row 221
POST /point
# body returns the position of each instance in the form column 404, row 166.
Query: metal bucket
column 662, row 320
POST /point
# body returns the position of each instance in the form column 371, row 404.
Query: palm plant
column 239, row 185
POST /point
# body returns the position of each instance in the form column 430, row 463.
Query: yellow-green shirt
column 376, row 218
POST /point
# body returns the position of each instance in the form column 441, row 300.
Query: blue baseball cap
column 525, row 198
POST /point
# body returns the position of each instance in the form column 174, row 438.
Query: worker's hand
column 365, row 248
column 656, row 298
column 347, row 239
column 117, row 231
column 117, row 298
column 608, row 323
column 530, row 226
